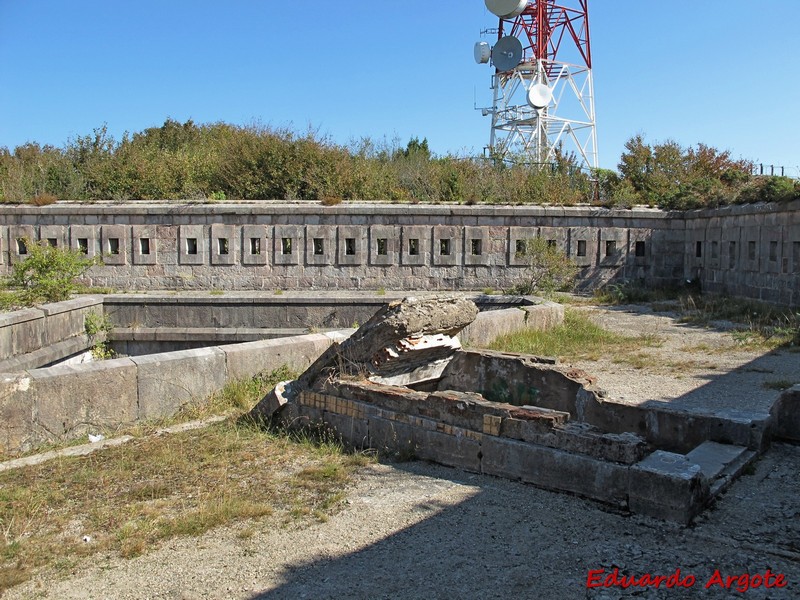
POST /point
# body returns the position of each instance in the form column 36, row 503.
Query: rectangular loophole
column 413, row 247
column 611, row 247
column 286, row 245
column 698, row 250
column 444, row 247
column 222, row 246
column 52, row 242
column 83, row 245
column 520, row 248
column 640, row 249
column 796, row 257
column 751, row 250
column 144, row 246
column 350, row 246
column 191, row 245
column 714, row 249
column 22, row 247
column 581, row 247
column 476, row 247
column 551, row 243
column 319, row 246
column 773, row 251
column 732, row 255
column 383, row 247
column 113, row 245
column 255, row 246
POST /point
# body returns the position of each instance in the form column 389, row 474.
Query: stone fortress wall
column 751, row 251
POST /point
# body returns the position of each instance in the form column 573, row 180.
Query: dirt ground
column 415, row 530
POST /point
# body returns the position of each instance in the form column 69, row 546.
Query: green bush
column 548, row 269
column 48, row 274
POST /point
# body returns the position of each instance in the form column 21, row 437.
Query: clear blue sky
column 722, row 72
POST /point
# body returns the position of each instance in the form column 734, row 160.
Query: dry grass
column 131, row 498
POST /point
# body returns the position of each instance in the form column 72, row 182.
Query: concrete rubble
column 404, row 385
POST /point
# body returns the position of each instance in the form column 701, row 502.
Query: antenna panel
column 507, row 9
column 482, row 53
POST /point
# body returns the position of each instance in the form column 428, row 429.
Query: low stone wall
column 38, row 336
column 67, row 402
column 786, row 415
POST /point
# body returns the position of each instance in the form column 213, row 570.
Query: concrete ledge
column 250, row 358
column 47, row 355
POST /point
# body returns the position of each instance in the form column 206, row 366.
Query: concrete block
column 19, row 237
column 28, row 332
column 668, row 486
column 85, row 238
column 114, row 244
column 223, row 244
column 384, row 245
column 583, row 246
column 477, row 249
column 613, row 246
column 320, row 244
column 255, row 244
column 288, row 243
column 518, row 244
column 447, row 245
column 250, row 358
column 192, row 246
column 352, row 245
column 71, row 400
column 145, row 244
column 16, row 412
column 3, row 245
column 353, row 431
column 416, row 245
column 556, row 470
column 54, row 235
column 171, row 380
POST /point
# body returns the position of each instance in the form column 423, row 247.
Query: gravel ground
column 415, row 530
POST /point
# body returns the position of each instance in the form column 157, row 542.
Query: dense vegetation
column 219, row 161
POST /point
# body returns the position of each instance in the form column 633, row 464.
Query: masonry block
column 3, row 244
column 251, row 358
column 785, row 414
column 613, row 246
column 171, row 380
column 28, row 331
column 85, row 239
column 288, row 242
column 192, row 246
column 54, row 235
column 320, row 244
column 352, row 245
column 384, row 245
column 145, row 244
column 477, row 248
column 416, row 245
column 447, row 245
column 668, row 486
column 223, row 244
column 583, row 246
column 114, row 244
column 19, row 238
column 72, row 400
column 518, row 244
column 16, row 412
column 255, row 242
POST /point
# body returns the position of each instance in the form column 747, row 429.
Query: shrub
column 43, row 200
column 49, row 273
column 548, row 269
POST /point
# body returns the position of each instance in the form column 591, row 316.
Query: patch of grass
column 578, row 338
column 216, row 292
column 131, row 498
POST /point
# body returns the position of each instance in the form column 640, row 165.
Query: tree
column 548, row 268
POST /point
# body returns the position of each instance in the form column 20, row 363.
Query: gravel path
column 414, row 530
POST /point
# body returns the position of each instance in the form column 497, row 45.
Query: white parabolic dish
column 539, row 95
column 506, row 9
column 482, row 53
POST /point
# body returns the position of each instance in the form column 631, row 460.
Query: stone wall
column 751, row 251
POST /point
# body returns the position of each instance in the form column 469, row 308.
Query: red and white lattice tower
column 543, row 92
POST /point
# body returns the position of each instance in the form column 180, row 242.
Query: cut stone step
column 720, row 464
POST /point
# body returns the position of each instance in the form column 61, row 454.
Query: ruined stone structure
column 403, row 384
column 751, row 251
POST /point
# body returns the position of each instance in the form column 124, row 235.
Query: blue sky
column 721, row 72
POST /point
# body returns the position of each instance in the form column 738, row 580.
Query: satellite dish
column 482, row 53
column 539, row 96
column 507, row 53
column 506, row 9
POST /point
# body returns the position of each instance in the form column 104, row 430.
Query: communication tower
column 542, row 85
